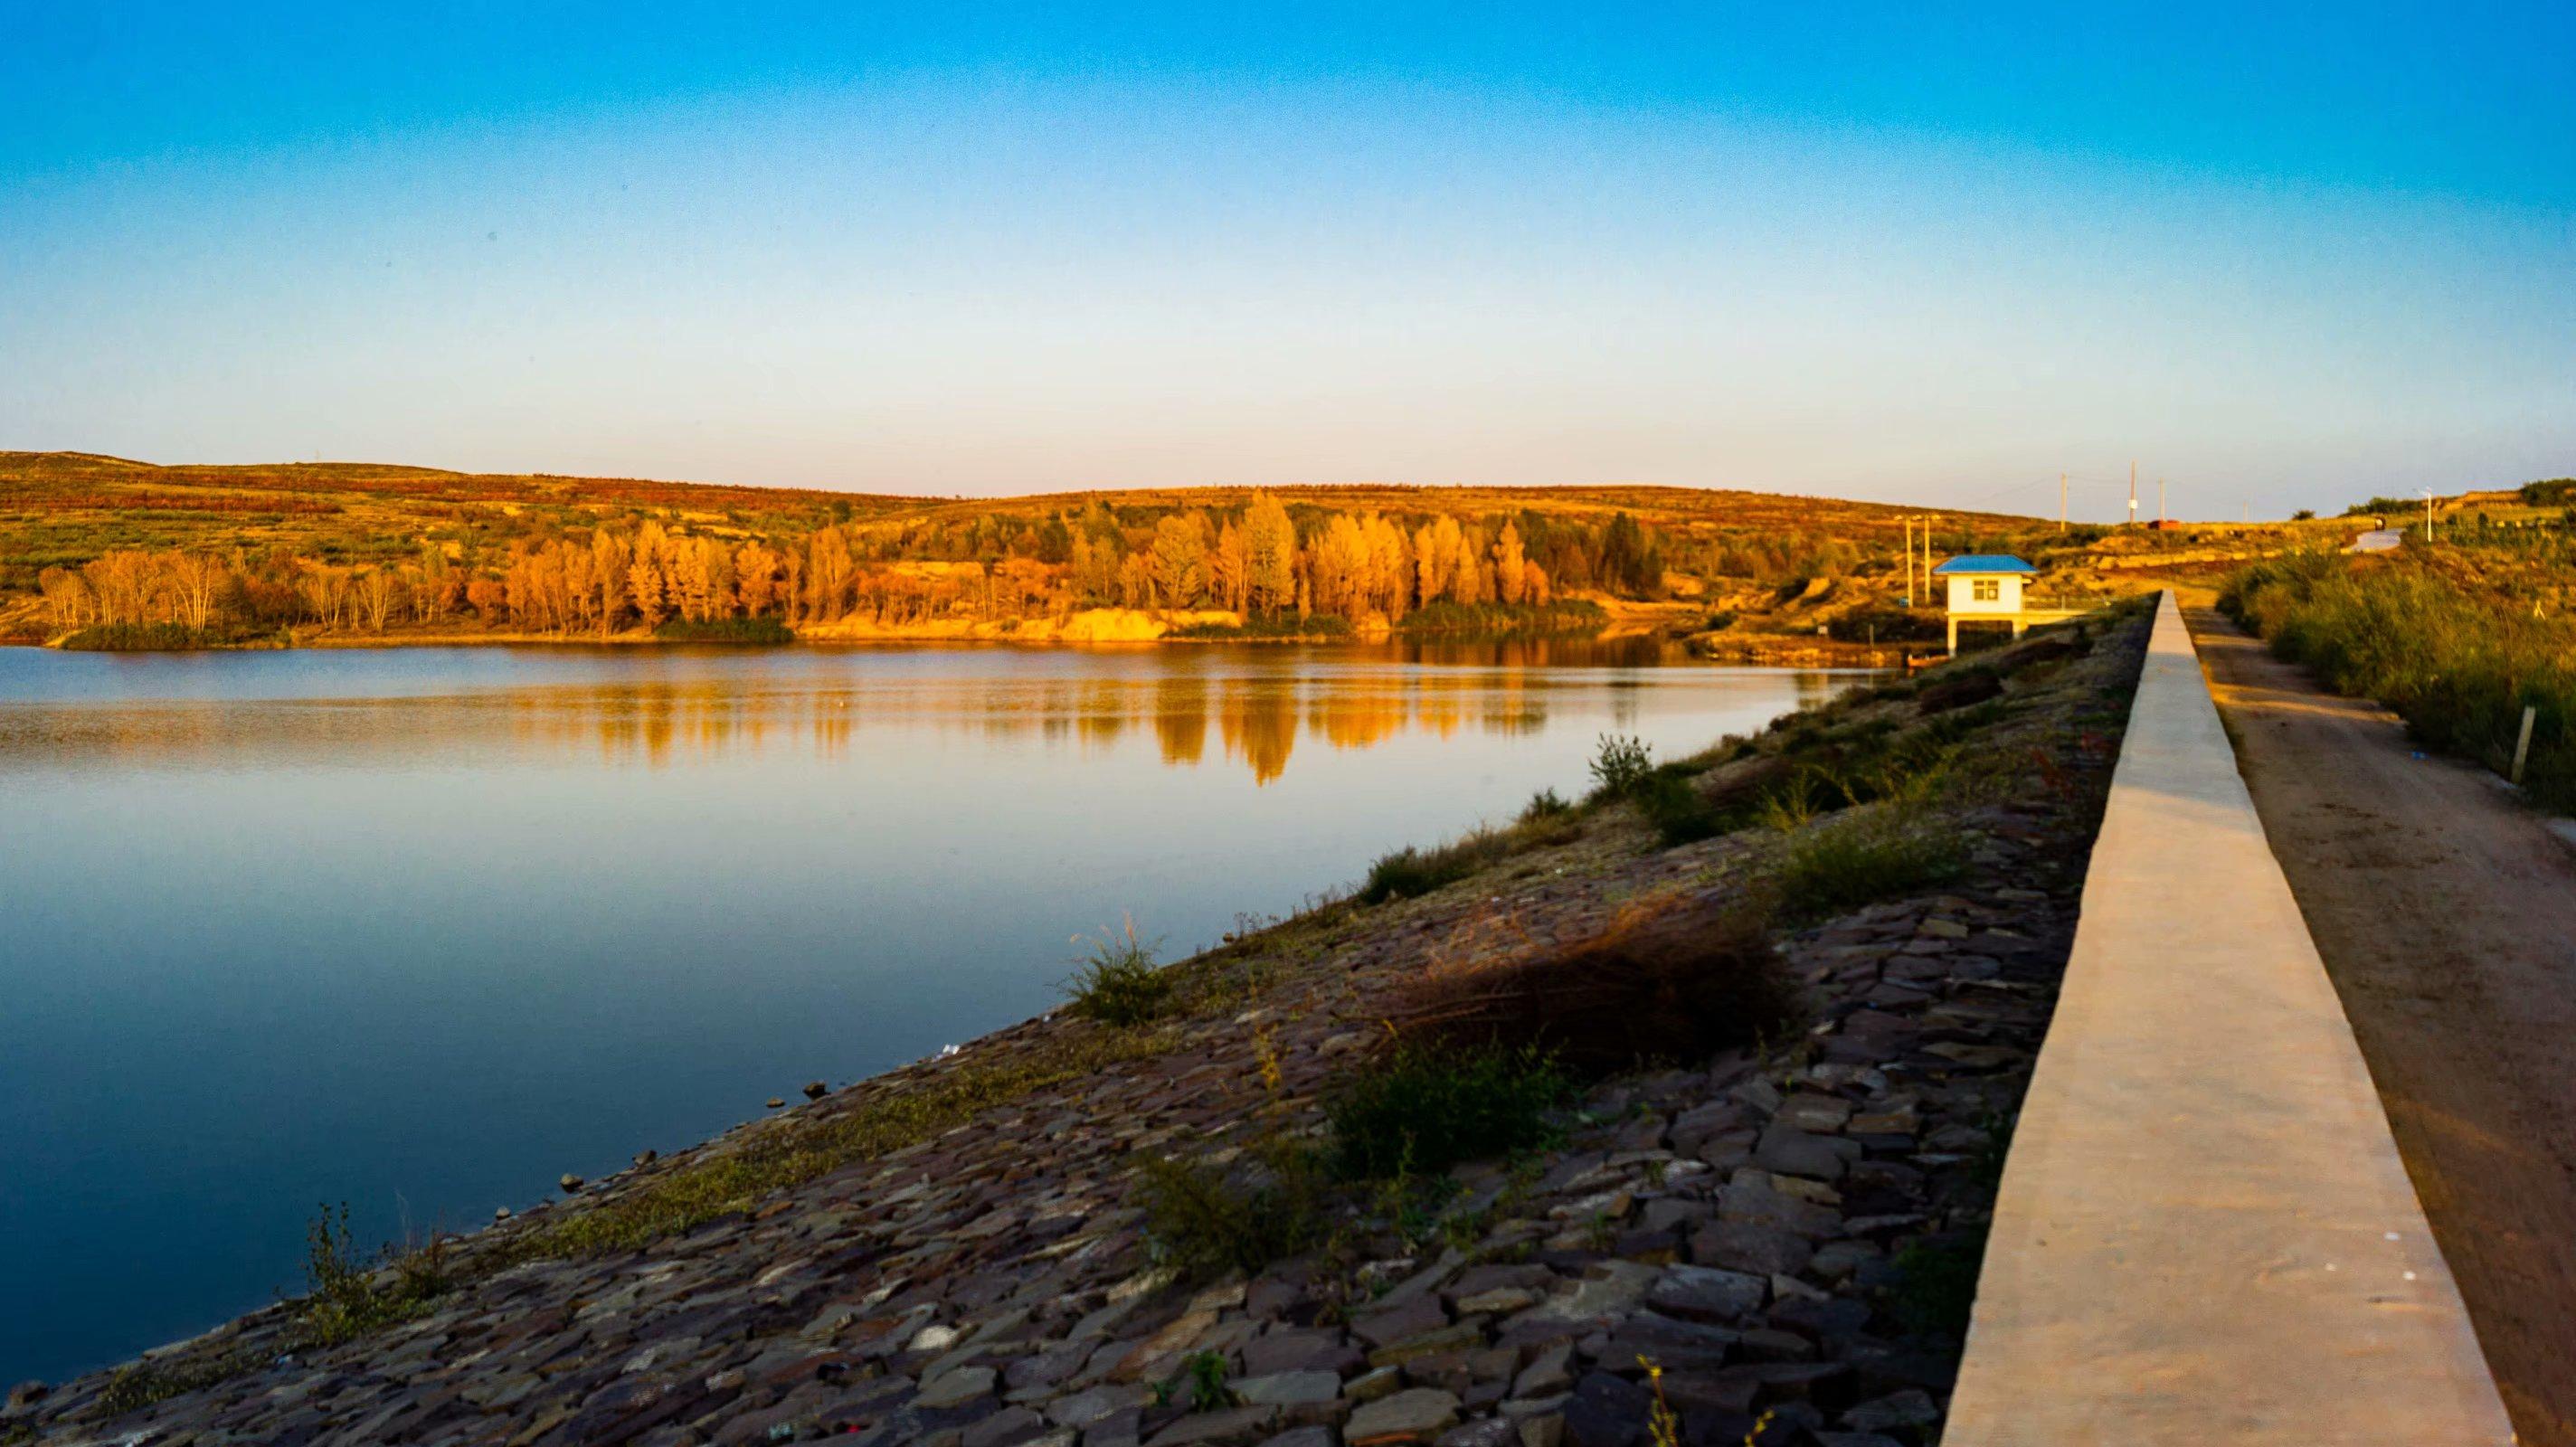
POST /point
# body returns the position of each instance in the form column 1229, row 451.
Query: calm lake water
column 422, row 929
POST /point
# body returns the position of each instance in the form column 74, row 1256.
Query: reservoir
column 421, row 929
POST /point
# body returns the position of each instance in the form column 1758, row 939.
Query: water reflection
column 1260, row 705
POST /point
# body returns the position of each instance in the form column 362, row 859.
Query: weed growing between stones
column 1677, row 811
column 144, row 1383
column 1663, row 1428
column 351, row 1293
column 1852, row 862
column 1202, row 1224
column 1412, row 870
column 1620, row 766
column 1419, row 1109
column 1200, row 1385
column 1119, row 983
column 1397, row 1125
column 1544, row 805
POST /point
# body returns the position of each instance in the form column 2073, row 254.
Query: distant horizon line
column 1359, row 484
column 1104, row 489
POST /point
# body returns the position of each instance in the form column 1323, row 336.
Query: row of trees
column 1350, row 566
column 1258, row 560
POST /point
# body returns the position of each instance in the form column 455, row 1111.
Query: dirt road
column 2447, row 916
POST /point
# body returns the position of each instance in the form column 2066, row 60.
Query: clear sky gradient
column 2285, row 256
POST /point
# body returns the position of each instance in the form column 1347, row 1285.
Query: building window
column 1987, row 590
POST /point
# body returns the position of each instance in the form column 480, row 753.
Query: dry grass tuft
column 1673, row 979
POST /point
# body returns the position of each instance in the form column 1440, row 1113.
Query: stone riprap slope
column 959, row 1255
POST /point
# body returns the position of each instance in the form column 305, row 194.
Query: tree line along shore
column 134, row 555
column 1255, row 573
column 101, row 552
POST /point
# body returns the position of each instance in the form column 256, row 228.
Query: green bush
column 1848, row 863
column 1203, row 1224
column 1544, row 805
column 346, row 1300
column 1119, row 983
column 762, row 630
column 1424, row 1110
column 1410, row 871
column 1620, row 765
column 1200, row 1385
column 1679, row 812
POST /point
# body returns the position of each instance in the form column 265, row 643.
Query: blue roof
column 1984, row 563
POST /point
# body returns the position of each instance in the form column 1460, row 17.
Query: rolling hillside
column 315, row 551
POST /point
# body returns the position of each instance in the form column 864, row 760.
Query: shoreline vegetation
column 2458, row 638
column 124, row 555
column 1688, row 1094
column 1565, row 618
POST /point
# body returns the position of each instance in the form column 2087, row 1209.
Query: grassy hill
column 298, row 547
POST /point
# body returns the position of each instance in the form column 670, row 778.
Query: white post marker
column 2522, row 744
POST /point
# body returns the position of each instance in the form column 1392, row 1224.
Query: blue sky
column 2283, row 259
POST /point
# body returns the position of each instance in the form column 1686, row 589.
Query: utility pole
column 2061, row 502
column 2133, row 492
column 1909, row 560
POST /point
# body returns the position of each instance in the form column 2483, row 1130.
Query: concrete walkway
column 2205, row 1234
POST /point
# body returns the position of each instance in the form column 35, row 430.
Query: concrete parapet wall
column 2205, row 1233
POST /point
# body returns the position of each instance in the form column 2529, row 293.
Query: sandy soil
column 2447, row 916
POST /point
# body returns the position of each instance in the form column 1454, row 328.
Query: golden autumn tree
column 1389, row 568
column 610, row 561
column 1228, row 571
column 755, row 578
column 1179, row 558
column 644, row 585
column 1474, row 581
column 1338, row 564
column 828, row 570
column 1437, row 545
column 1511, row 566
column 1269, row 555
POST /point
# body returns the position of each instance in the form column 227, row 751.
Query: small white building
column 1987, row 588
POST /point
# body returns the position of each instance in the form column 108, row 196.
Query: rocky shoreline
column 1772, row 1246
